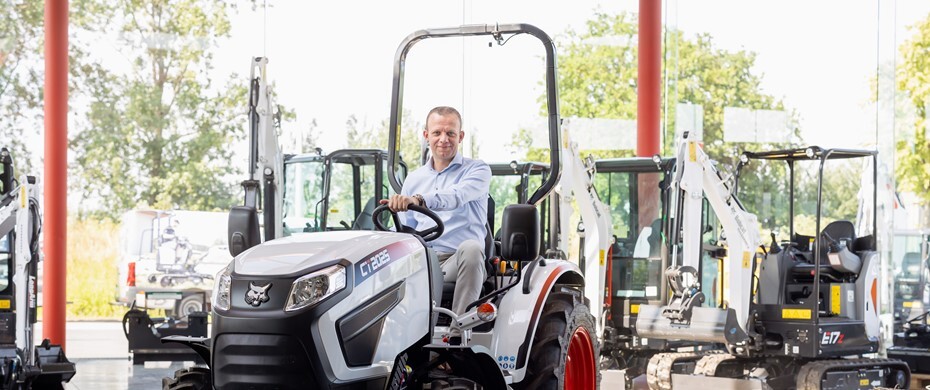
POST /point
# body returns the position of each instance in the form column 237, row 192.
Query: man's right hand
column 398, row 203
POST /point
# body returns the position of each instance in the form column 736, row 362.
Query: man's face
column 443, row 133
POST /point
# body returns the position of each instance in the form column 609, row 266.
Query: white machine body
column 518, row 315
column 577, row 184
column 696, row 178
column 269, row 161
column 25, row 286
column 700, row 179
column 380, row 261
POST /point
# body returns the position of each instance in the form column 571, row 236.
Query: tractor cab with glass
column 335, row 191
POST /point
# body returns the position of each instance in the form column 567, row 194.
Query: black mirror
column 520, row 233
column 243, row 229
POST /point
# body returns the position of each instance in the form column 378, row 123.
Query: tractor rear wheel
column 192, row 378
column 564, row 351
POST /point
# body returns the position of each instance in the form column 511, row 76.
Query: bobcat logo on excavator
column 257, row 295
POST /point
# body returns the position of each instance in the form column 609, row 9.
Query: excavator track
column 707, row 366
column 811, row 375
column 659, row 370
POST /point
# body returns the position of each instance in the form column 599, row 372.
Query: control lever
column 774, row 248
column 833, row 245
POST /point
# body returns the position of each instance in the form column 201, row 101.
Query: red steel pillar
column 648, row 101
column 56, row 166
column 649, row 74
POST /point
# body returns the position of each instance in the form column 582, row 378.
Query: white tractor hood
column 290, row 255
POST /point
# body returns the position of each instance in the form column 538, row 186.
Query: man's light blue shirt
column 458, row 195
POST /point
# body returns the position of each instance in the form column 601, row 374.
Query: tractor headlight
column 222, row 287
column 315, row 287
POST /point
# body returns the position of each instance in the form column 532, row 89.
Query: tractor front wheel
column 192, row 378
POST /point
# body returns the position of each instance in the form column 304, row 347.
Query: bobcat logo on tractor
column 257, row 295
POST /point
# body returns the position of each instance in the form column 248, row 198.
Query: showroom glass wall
column 904, row 101
column 749, row 76
column 765, row 76
column 339, row 81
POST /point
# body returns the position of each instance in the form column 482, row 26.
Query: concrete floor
column 121, row 374
column 99, row 351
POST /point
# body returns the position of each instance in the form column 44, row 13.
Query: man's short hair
column 444, row 111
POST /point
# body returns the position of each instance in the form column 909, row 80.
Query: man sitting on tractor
column 455, row 188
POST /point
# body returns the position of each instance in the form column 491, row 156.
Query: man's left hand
column 398, row 203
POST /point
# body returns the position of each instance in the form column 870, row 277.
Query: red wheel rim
column 579, row 364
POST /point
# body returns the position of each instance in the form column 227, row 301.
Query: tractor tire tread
column 564, row 311
column 191, row 378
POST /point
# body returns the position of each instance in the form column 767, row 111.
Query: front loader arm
column 266, row 162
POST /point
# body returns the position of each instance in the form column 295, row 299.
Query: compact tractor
column 362, row 309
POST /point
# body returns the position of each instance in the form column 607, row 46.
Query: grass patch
column 93, row 250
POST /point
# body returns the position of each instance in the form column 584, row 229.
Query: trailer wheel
column 187, row 305
column 192, row 378
column 564, row 351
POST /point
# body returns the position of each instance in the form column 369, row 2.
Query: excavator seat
column 843, row 232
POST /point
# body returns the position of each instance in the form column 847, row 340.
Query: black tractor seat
column 523, row 246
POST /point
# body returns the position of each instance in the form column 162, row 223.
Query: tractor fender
column 519, row 313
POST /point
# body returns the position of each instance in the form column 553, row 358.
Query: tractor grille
column 249, row 361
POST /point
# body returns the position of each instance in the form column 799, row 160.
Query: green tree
column 22, row 67
column 20, row 78
column 361, row 135
column 522, row 141
column 160, row 134
column 311, row 139
column 913, row 163
column 598, row 79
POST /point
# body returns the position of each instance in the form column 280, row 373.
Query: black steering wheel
column 427, row 235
